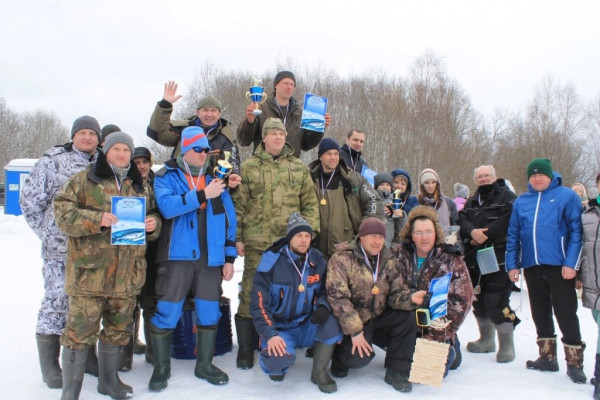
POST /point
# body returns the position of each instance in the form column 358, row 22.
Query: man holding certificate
column 195, row 253
column 102, row 279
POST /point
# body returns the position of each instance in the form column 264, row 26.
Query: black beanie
column 86, row 122
column 326, row 145
column 296, row 223
column 283, row 74
column 108, row 129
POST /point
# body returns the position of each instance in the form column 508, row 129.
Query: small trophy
column 396, row 200
column 256, row 94
column 224, row 167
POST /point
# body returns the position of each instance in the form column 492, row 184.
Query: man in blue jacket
column 289, row 305
column 195, row 253
column 545, row 238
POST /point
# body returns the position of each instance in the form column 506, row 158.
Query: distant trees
column 28, row 135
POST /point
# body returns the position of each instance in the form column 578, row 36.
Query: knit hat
column 142, row 152
column 283, row 74
column 210, row 101
column 326, row 145
column 108, row 129
column 86, row 122
column 296, row 223
column 383, row 177
column 273, row 124
column 371, row 226
column 193, row 136
column 118, row 137
column 427, row 174
column 540, row 166
column 461, row 190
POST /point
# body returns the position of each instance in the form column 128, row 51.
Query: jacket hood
column 400, row 171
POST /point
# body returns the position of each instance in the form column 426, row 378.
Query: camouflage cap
column 273, row 124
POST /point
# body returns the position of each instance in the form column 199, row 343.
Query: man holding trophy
column 279, row 104
column 218, row 130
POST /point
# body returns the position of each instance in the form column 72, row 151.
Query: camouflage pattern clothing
column 37, row 203
column 100, row 278
column 437, row 264
column 167, row 132
column 271, row 189
column 350, row 286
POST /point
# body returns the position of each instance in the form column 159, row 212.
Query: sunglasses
column 199, row 149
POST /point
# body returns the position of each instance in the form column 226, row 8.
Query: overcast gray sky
column 110, row 59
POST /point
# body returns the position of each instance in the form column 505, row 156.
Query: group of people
column 331, row 262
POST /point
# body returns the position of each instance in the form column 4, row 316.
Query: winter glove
column 320, row 316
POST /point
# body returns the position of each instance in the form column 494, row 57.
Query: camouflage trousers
column 83, row 322
column 55, row 304
column 251, row 260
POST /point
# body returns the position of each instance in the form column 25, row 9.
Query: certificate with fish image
column 130, row 228
column 313, row 113
column 438, row 305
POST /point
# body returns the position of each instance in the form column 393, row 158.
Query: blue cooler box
column 15, row 173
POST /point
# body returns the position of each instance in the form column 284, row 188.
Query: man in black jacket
column 484, row 223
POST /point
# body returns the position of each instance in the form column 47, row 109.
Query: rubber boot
column 138, row 346
column 161, row 346
column 596, row 376
column 73, row 369
column 127, row 359
column 48, row 352
column 149, row 355
column 486, row 342
column 574, row 357
column 321, row 356
column 245, row 336
column 109, row 359
column 91, row 366
column 398, row 380
column 206, row 337
column 506, row 352
column 547, row 359
column 457, row 354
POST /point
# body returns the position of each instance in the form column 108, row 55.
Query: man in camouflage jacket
column 102, row 279
column 37, row 203
column 363, row 287
column 274, row 184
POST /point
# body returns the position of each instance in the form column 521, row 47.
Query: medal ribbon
column 324, row 188
column 194, row 183
column 376, row 272
column 300, row 274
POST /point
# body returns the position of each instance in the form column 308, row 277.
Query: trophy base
column 256, row 112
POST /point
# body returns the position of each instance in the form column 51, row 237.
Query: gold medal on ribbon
column 301, row 288
column 323, row 201
column 375, row 290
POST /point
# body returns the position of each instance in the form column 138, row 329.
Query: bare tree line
column 422, row 120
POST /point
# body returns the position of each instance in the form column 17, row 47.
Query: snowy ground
column 478, row 377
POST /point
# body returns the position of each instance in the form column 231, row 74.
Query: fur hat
column 461, row 190
column 273, row 124
column 118, row 137
column 296, row 224
column 193, row 136
column 326, row 145
column 211, row 102
column 282, row 75
column 371, row 226
column 86, row 122
column 540, row 166
column 420, row 212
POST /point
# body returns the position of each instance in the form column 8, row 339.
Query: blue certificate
column 130, row 228
column 313, row 113
column 438, row 305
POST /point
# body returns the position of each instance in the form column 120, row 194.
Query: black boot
column 596, row 376
column 149, row 355
column 109, row 359
column 574, row 357
column 138, row 346
column 321, row 356
column 91, row 365
column 206, row 337
column 127, row 359
column 73, row 369
column 245, row 336
column 398, row 380
column 161, row 347
column 547, row 359
column 338, row 369
column 48, row 352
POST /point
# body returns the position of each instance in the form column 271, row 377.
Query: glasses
column 199, row 149
column 425, row 233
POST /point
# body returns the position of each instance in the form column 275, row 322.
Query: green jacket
column 270, row 191
column 346, row 206
column 94, row 266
